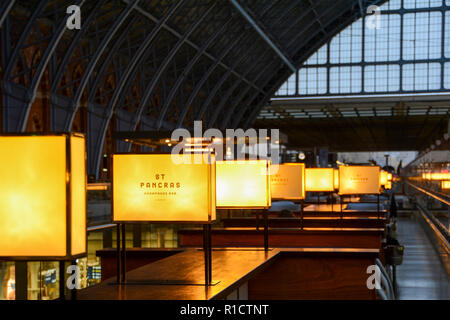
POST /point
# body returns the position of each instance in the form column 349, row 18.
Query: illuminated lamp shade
column 389, row 176
column 388, row 185
column 154, row 188
column 243, row 184
column 43, row 197
column 384, row 178
column 359, row 180
column 336, row 179
column 287, row 181
column 445, row 185
column 319, row 179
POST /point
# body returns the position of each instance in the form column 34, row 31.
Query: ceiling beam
column 259, row 29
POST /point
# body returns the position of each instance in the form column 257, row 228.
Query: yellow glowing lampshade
column 384, row 178
column 389, row 176
column 243, row 184
column 445, row 185
column 154, row 188
column 319, row 179
column 336, row 179
column 359, row 180
column 388, row 185
column 287, row 181
column 43, row 197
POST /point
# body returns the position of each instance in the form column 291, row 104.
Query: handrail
column 430, row 193
column 387, row 282
column 101, row 227
column 436, row 230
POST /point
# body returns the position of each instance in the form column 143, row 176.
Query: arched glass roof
column 405, row 49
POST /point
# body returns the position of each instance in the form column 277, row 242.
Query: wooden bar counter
column 297, row 273
column 308, row 222
column 286, row 237
column 314, row 210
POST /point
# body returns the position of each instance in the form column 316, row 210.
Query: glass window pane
column 382, row 78
column 422, row 35
column 413, row 4
column 383, row 44
column 346, row 46
column 391, row 5
column 447, row 75
column 421, row 76
column 447, row 34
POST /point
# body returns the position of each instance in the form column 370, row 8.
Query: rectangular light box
column 43, row 197
column 153, row 188
column 359, row 180
column 287, row 181
column 319, row 179
column 243, row 184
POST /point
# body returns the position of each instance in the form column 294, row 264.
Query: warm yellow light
column 445, row 185
column 151, row 187
column 389, row 176
column 319, row 179
column 336, row 179
column 97, row 186
column 243, row 184
column 388, row 185
column 359, row 180
column 439, row 176
column 287, row 181
column 43, row 204
column 384, row 178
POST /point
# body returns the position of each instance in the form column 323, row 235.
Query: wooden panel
column 136, row 257
column 307, row 277
column 326, row 237
column 233, row 268
column 308, row 222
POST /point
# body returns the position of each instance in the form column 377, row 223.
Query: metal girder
column 93, row 60
column 4, row 10
column 286, row 10
column 188, row 68
column 279, row 83
column 16, row 97
column 106, row 62
column 218, row 85
column 73, row 45
column 317, row 19
column 230, row 111
column 44, row 62
column 152, row 85
column 63, row 108
column 193, row 45
column 245, row 105
column 253, row 115
column 225, row 97
column 266, row 38
column 138, row 55
column 206, row 75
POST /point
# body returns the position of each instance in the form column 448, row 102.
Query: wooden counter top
column 231, row 267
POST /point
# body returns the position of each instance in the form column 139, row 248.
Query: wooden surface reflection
column 231, row 267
